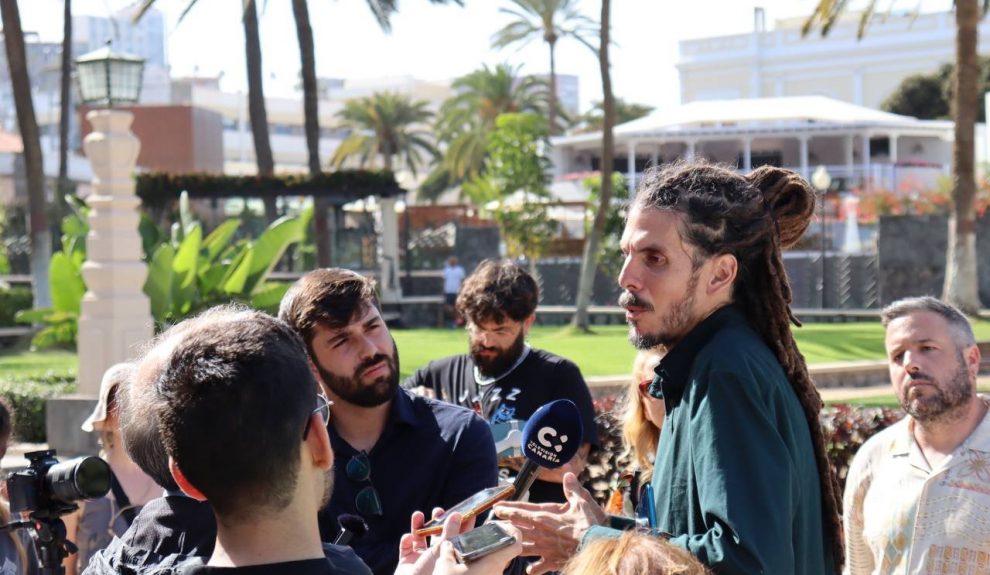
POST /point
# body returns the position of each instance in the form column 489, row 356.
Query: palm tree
column 550, row 20
column 41, row 243
column 589, row 262
column 256, row 93
column 625, row 111
column 466, row 119
column 961, row 286
column 64, row 111
column 385, row 125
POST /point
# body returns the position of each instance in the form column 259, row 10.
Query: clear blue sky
column 438, row 42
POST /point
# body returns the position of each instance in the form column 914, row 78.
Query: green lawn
column 606, row 352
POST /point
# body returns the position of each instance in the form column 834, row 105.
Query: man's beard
column 943, row 402
column 501, row 361
column 354, row 391
column 673, row 326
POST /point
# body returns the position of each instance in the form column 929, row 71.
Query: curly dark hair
column 498, row 289
column 753, row 218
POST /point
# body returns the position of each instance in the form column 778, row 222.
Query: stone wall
column 912, row 256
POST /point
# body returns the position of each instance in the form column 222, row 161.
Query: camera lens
column 81, row 478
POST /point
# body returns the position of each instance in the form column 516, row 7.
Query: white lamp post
column 822, row 180
column 116, row 314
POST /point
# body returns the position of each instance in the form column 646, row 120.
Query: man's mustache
column 371, row 362
column 629, row 299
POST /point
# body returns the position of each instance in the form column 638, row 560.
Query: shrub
column 28, row 400
column 846, row 428
column 12, row 300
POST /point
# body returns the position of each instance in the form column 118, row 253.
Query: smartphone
column 481, row 541
column 469, row 508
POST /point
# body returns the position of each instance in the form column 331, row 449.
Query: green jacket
column 735, row 479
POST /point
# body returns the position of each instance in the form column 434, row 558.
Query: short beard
column 673, row 326
column 352, row 390
column 502, row 361
column 943, row 404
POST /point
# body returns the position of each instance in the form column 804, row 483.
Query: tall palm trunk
column 961, row 285
column 552, row 104
column 41, row 245
column 256, row 102
column 589, row 263
column 64, row 110
column 307, row 56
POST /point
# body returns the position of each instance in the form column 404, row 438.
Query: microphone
column 551, row 437
column 351, row 527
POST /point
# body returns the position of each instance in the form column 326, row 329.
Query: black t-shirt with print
column 542, row 377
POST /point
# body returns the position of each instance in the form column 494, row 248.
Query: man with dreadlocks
column 741, row 477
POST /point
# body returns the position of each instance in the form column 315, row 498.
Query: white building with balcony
column 862, row 148
column 780, row 62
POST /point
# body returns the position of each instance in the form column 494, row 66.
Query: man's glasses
column 358, row 469
column 323, row 404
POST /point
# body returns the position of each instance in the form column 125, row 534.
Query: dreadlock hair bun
column 790, row 199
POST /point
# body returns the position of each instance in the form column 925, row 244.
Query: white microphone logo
column 548, row 432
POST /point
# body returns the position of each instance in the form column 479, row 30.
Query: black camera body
column 47, row 490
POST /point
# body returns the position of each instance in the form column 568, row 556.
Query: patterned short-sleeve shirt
column 902, row 516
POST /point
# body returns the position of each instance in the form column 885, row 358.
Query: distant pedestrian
column 453, row 275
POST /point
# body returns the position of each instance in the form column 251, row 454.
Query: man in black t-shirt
column 502, row 378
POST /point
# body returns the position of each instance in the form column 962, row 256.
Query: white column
column 631, row 166
column 689, row 151
column 747, row 154
column 655, row 155
column 389, row 285
column 867, row 183
column 893, row 147
column 803, row 141
column 115, row 318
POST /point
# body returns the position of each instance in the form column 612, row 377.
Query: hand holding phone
column 480, row 542
column 469, row 508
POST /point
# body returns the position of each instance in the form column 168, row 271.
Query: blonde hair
column 641, row 436
column 633, row 554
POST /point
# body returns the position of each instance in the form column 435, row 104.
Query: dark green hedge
column 12, row 300
column 340, row 187
column 28, row 400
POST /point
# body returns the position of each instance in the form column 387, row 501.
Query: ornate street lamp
column 822, row 181
column 108, row 78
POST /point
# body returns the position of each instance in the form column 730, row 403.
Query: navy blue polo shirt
column 431, row 454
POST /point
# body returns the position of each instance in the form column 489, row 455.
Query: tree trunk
column 41, row 245
column 961, row 285
column 589, row 263
column 65, row 112
column 552, row 103
column 307, row 56
column 256, row 102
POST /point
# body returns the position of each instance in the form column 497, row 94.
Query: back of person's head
column 331, row 297
column 633, row 554
column 498, row 289
column 139, row 404
column 640, row 434
column 752, row 218
column 962, row 331
column 236, row 398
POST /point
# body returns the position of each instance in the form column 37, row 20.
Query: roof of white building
column 760, row 115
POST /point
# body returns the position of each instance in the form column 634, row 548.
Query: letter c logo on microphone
column 546, row 432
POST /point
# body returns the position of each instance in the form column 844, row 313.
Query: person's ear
column 183, row 483
column 973, row 357
column 724, row 269
column 528, row 323
column 318, row 442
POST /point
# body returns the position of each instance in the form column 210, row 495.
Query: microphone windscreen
column 553, row 434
